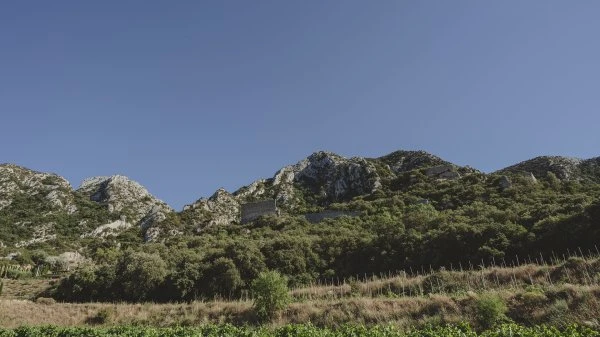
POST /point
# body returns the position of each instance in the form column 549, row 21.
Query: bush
column 443, row 282
column 270, row 294
column 490, row 310
column 556, row 313
column 103, row 316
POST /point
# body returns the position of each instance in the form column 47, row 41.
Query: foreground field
column 559, row 294
column 302, row 331
column 557, row 305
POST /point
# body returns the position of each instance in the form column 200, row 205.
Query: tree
column 140, row 274
column 270, row 294
column 222, row 277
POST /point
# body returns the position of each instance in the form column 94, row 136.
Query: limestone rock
column 41, row 233
column 222, row 208
column 16, row 180
column 333, row 177
column 67, row 260
column 564, row 168
column 126, row 197
column 443, row 172
column 404, row 161
column 113, row 228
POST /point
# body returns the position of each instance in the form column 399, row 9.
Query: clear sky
column 189, row 96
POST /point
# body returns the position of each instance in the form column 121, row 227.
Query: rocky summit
column 563, row 168
column 127, row 198
column 42, row 208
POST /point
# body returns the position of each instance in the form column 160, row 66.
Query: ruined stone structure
column 252, row 211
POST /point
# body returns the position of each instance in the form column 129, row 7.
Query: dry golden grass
column 569, row 291
column 575, row 271
column 23, row 289
column 22, row 312
column 581, row 304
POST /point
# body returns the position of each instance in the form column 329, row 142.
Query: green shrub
column 443, row 282
column 556, row 313
column 103, row 316
column 490, row 310
column 354, row 288
column 270, row 294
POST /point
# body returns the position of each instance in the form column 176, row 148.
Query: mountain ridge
column 116, row 203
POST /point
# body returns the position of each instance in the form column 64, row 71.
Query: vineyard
column 508, row 330
column 301, row 331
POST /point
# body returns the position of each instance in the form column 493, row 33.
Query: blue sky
column 189, row 96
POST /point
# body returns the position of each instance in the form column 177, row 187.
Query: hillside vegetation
column 557, row 292
column 411, row 211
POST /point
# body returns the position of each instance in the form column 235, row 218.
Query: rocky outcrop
column 66, row 261
column 336, row 177
column 18, row 181
column 41, row 233
column 309, row 185
column 30, row 201
column 113, row 228
column 563, row 168
column 443, row 172
column 404, row 161
column 125, row 197
column 330, row 176
column 222, row 208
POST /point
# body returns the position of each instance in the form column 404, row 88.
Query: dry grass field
column 568, row 291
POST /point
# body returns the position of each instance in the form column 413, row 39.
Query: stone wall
column 253, row 210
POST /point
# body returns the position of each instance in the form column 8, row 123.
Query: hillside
column 329, row 216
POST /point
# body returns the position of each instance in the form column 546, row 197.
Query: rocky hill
column 127, row 198
column 317, row 181
column 40, row 207
column 563, row 168
column 30, row 201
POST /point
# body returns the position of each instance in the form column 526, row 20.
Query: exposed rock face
column 404, row 161
column 44, row 196
column 530, row 177
column 443, row 172
column 126, row 197
column 307, row 186
column 222, row 208
column 16, row 180
column 337, row 176
column 330, row 176
column 112, row 228
column 67, row 260
column 41, row 233
column 562, row 167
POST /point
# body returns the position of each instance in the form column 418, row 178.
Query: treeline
column 416, row 222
